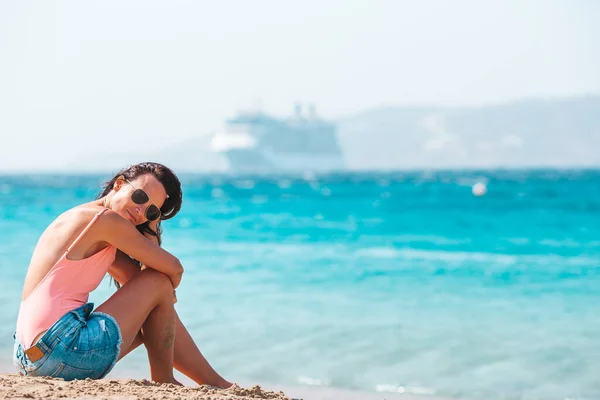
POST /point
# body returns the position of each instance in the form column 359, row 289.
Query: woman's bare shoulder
column 65, row 229
column 77, row 216
column 61, row 233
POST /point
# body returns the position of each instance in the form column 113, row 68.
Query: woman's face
column 123, row 204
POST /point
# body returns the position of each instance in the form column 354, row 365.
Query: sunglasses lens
column 139, row 197
column 152, row 213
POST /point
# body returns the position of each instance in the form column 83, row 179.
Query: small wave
column 379, row 252
column 433, row 239
column 312, row 381
column 569, row 243
column 435, row 255
column 518, row 241
column 405, row 254
column 389, row 388
column 478, row 257
column 418, row 390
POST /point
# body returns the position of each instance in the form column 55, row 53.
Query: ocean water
column 400, row 282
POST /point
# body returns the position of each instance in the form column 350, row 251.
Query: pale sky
column 94, row 77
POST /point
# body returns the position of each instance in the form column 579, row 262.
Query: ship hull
column 250, row 160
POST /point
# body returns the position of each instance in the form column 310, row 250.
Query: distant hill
column 554, row 132
column 528, row 133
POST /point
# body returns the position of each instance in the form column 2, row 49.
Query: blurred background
column 407, row 84
column 380, row 197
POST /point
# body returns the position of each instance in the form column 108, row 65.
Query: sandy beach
column 13, row 386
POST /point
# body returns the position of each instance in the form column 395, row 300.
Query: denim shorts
column 81, row 344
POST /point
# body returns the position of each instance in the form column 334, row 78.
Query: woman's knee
column 160, row 282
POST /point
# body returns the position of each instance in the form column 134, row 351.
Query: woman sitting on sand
column 58, row 332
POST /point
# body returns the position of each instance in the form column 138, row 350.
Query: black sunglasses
column 140, row 197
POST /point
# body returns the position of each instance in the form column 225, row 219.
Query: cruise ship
column 257, row 142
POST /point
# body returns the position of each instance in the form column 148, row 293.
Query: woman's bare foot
column 225, row 384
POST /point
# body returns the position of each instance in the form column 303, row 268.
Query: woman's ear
column 118, row 183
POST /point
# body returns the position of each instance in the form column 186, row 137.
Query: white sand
column 13, row 386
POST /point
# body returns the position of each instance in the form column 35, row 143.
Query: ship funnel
column 312, row 111
column 298, row 110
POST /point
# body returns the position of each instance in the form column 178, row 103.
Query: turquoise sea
column 400, row 282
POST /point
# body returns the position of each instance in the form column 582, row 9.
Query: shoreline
column 13, row 386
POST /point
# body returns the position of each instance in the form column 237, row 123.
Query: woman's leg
column 146, row 302
column 187, row 358
column 190, row 361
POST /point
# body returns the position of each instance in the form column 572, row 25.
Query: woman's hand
column 175, row 279
column 119, row 232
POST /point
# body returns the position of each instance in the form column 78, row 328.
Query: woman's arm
column 123, row 268
column 119, row 232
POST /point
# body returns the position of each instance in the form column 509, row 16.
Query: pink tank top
column 64, row 288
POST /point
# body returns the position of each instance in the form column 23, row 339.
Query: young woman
column 58, row 332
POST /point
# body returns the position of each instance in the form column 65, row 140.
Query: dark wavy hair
column 170, row 182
